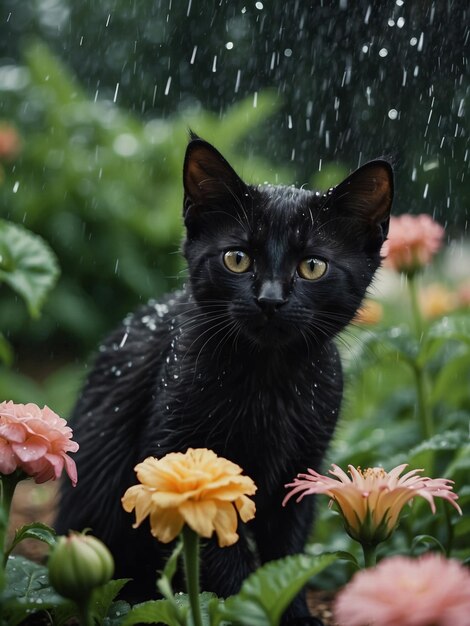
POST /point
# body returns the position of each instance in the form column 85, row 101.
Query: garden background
column 95, row 103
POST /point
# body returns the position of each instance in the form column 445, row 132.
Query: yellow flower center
column 372, row 473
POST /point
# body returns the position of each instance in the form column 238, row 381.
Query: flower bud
column 79, row 563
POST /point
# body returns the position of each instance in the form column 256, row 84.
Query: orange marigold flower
column 197, row 488
column 463, row 295
column 412, row 242
column 370, row 501
column 436, row 300
column 400, row 591
column 371, row 312
column 36, row 441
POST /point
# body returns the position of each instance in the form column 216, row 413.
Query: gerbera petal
column 372, row 499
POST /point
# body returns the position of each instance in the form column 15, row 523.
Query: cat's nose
column 270, row 297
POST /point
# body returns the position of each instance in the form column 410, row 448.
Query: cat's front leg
column 223, row 570
column 283, row 531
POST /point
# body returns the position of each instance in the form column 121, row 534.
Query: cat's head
column 278, row 264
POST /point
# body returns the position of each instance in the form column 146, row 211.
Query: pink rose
column 36, row 441
column 412, row 242
column 400, row 591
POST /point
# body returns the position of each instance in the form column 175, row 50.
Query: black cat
column 240, row 361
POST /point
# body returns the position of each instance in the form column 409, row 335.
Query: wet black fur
column 211, row 366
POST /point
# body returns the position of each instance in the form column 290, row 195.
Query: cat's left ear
column 208, row 178
column 367, row 195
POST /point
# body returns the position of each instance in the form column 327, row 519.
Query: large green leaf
column 36, row 530
column 266, row 594
column 28, row 591
column 103, row 597
column 152, row 612
column 27, row 264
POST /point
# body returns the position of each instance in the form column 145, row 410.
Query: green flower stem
column 370, row 554
column 191, row 567
column 415, row 308
column 424, row 410
column 7, row 489
column 84, row 615
column 422, row 387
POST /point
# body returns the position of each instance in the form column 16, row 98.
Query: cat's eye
column 312, row 268
column 237, row 261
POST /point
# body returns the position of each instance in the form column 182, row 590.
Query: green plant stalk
column 191, row 568
column 370, row 554
column 424, row 410
column 7, row 489
column 415, row 308
column 84, row 615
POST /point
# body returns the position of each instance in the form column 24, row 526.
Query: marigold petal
column 199, row 516
column 129, row 498
column 225, row 524
column 246, row 508
column 166, row 524
column 230, row 491
column 166, row 500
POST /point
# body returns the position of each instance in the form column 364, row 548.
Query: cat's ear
column 367, row 195
column 208, row 178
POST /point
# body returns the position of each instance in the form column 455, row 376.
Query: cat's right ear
column 208, row 178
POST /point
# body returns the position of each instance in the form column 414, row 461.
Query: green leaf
column 152, row 612
column 427, row 540
column 116, row 613
column 208, row 603
column 27, row 265
column 266, row 593
column 27, row 591
column 164, row 582
column 103, row 597
column 36, row 530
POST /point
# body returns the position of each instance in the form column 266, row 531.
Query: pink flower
column 10, row 143
column 35, row 441
column 412, row 242
column 428, row 591
column 372, row 499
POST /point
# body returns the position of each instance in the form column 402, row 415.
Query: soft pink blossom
column 371, row 500
column 400, row 591
column 412, row 242
column 10, row 142
column 36, row 441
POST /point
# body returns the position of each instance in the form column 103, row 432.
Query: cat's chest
column 257, row 416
